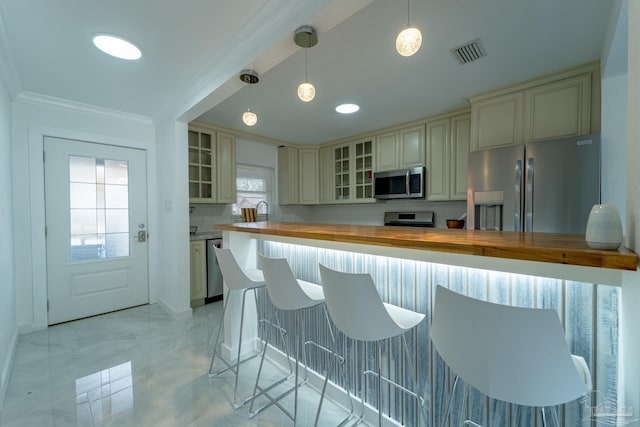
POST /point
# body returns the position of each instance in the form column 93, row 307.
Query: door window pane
column 99, row 208
column 82, row 169
column 116, row 196
column 116, row 172
column 117, row 220
column 82, row 195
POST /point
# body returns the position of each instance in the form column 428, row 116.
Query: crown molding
column 65, row 104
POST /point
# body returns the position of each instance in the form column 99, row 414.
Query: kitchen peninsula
column 570, row 251
column 538, row 270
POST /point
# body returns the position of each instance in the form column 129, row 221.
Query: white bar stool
column 290, row 294
column 358, row 311
column 514, row 354
column 236, row 279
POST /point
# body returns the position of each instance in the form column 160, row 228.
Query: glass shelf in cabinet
column 193, row 139
column 205, row 141
column 205, row 191
column 194, row 190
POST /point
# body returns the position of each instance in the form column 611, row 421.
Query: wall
column 171, row 273
column 33, row 117
column 8, row 323
column 614, row 139
column 621, row 156
column 631, row 293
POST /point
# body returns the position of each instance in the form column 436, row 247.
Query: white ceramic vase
column 604, row 228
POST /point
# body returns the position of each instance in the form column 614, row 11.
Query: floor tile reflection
column 137, row 367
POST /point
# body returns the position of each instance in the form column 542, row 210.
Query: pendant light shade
column 249, row 118
column 306, row 37
column 306, row 91
column 250, row 77
column 409, row 40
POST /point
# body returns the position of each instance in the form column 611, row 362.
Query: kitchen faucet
column 266, row 209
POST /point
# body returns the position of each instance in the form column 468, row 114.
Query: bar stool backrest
column 282, row 286
column 233, row 275
column 355, row 305
column 518, row 355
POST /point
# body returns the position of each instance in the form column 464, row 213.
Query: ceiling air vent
column 469, row 52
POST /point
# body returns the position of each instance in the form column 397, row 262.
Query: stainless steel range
column 410, row 219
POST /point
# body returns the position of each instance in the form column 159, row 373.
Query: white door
column 96, row 215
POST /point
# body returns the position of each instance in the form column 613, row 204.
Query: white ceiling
column 193, row 52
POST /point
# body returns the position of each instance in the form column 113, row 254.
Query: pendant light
column 250, row 77
column 409, row 40
column 306, row 37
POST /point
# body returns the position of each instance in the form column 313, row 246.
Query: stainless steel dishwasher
column 214, row 276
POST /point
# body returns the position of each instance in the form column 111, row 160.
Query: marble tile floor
column 136, row 367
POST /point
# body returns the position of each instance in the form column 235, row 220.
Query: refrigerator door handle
column 529, row 196
column 517, row 221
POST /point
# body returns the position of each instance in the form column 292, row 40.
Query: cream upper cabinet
column 326, row 175
column 308, row 173
column 226, row 168
column 447, row 150
column 212, row 166
column 497, row 121
column 411, row 147
column 198, row 270
column 438, row 155
column 559, row 109
column 563, row 105
column 202, row 167
column 298, row 182
column 288, row 179
column 460, row 140
column 400, row 149
column 387, row 151
column 351, row 169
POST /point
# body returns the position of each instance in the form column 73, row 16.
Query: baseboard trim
column 6, row 369
column 176, row 315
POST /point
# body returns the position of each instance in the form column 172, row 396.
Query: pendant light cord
column 408, row 13
column 306, row 66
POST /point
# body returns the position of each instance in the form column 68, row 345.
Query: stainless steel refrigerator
column 543, row 186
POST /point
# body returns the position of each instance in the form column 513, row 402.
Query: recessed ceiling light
column 116, row 46
column 347, row 108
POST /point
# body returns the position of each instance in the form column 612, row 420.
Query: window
column 99, row 208
column 253, row 184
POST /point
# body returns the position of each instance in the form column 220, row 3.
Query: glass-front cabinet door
column 364, row 170
column 342, row 172
column 353, row 171
column 201, row 167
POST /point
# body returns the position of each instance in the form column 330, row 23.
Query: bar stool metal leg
column 265, row 391
column 235, row 367
column 333, row 355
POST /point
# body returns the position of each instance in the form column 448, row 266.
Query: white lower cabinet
column 447, row 143
column 198, row 270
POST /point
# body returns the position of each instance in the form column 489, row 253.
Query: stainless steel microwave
column 400, row 184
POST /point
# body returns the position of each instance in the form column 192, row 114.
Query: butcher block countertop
column 569, row 249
